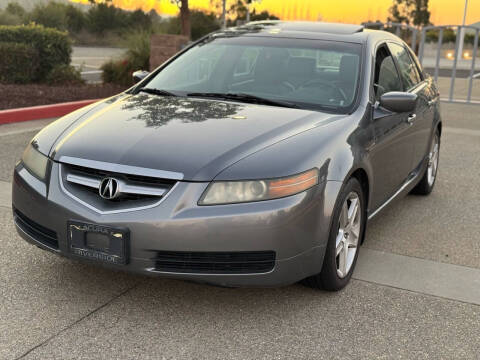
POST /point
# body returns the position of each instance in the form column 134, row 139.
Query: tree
column 264, row 15
column 75, row 18
column 14, row 14
column 51, row 15
column 410, row 11
column 238, row 12
column 201, row 23
column 15, row 8
column 184, row 16
column 138, row 19
column 102, row 17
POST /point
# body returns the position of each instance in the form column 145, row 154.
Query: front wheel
column 346, row 235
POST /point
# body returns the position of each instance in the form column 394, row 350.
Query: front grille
column 138, row 191
column 138, row 179
column 245, row 262
column 36, row 231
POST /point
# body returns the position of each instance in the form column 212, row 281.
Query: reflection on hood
column 158, row 111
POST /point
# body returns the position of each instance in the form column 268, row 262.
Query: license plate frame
column 118, row 239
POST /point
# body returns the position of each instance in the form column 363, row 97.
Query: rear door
column 391, row 157
column 413, row 82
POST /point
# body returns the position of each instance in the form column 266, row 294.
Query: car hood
column 195, row 137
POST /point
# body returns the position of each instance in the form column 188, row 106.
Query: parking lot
column 415, row 292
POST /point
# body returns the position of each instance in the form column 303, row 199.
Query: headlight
column 35, row 162
column 228, row 192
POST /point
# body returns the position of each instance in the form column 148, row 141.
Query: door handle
column 411, row 118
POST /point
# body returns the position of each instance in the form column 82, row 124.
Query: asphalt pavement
column 415, row 292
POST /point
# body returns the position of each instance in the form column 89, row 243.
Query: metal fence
column 435, row 61
column 459, row 42
column 407, row 32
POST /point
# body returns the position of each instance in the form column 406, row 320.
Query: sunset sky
column 349, row 11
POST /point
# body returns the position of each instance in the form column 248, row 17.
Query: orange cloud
column 348, row 11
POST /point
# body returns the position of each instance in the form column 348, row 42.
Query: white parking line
column 90, row 57
column 23, row 127
column 85, row 65
column 461, row 131
column 448, row 281
column 91, row 72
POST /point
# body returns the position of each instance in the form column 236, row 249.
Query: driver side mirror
column 139, row 75
column 399, row 102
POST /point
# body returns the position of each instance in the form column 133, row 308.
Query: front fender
column 316, row 147
column 47, row 137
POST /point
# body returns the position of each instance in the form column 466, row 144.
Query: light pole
column 461, row 33
column 224, row 14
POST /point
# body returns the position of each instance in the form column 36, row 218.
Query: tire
column 426, row 184
column 337, row 269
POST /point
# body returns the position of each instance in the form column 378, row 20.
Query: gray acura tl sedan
column 254, row 157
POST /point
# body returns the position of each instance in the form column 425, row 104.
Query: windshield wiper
column 245, row 98
column 157, row 91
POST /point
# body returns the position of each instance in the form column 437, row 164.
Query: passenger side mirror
column 139, row 75
column 399, row 102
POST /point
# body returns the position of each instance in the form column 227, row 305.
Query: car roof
column 306, row 30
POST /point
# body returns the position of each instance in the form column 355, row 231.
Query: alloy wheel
column 433, row 160
column 348, row 234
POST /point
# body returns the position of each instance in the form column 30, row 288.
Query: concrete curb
column 41, row 112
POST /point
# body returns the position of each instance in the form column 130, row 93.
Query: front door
column 413, row 81
column 392, row 154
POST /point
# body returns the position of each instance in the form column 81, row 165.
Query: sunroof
column 316, row 27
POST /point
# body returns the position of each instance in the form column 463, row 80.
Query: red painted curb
column 41, row 112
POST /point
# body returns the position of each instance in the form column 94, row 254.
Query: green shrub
column 469, row 38
column 118, row 72
column 449, row 36
column 138, row 45
column 53, row 47
column 7, row 18
column 64, row 74
column 138, row 58
column 20, row 65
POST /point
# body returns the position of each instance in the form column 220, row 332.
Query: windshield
column 311, row 74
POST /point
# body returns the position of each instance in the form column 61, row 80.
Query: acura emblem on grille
column 108, row 188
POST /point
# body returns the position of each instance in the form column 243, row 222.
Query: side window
column 416, row 62
column 408, row 70
column 386, row 75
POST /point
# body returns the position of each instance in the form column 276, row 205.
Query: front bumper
column 296, row 228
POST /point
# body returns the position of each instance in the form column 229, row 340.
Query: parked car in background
column 253, row 157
